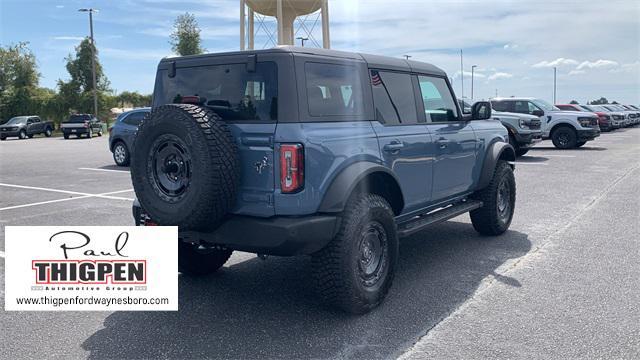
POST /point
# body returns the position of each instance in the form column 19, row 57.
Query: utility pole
column 472, row 68
column 554, row 85
column 93, row 61
column 461, row 77
column 407, row 56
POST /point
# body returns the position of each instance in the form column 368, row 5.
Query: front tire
column 90, row 134
column 121, row 154
column 499, row 200
column 580, row 143
column 355, row 270
column 22, row 135
column 196, row 260
column 564, row 137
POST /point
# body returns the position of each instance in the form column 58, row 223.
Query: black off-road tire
column 22, row 135
column 194, row 261
column 580, row 143
column 208, row 177
column 48, row 132
column 521, row 151
column 489, row 219
column 337, row 270
column 564, row 137
column 66, row 136
column 3, row 138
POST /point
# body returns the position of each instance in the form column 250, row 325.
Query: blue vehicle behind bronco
column 336, row 155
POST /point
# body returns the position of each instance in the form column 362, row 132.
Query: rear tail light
column 291, row 167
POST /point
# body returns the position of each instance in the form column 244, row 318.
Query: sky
column 595, row 45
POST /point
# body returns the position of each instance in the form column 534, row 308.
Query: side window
column 30, row 121
column 393, row 98
column 134, row 119
column 522, row 107
column 333, row 90
column 36, row 120
column 504, row 106
column 438, row 101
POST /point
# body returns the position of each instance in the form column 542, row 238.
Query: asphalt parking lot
column 563, row 282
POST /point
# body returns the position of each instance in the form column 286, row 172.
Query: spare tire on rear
column 184, row 167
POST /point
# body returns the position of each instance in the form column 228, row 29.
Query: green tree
column 18, row 81
column 76, row 94
column 600, row 101
column 185, row 38
column 574, row 102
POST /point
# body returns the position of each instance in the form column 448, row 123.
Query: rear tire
column 355, row 270
column 121, row 154
column 48, row 132
column 90, row 134
column 564, row 137
column 66, row 136
column 3, row 138
column 194, row 260
column 499, row 200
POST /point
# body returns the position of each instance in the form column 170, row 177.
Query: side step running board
column 420, row 222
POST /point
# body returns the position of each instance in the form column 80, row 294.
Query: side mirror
column 537, row 112
column 481, row 110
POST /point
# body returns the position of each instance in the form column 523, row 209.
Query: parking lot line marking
column 107, row 170
column 106, row 195
column 43, row 202
column 530, row 163
column 2, row 255
column 554, row 155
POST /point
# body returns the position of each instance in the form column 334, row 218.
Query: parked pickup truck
column 81, row 124
column 524, row 130
column 566, row 129
column 25, row 126
column 337, row 155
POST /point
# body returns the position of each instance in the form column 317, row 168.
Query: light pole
column 554, row 85
column 472, row 68
column 302, row 39
column 407, row 56
column 93, row 60
column 461, row 77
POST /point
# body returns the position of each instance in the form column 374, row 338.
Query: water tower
column 285, row 12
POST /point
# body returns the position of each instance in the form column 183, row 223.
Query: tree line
column 21, row 93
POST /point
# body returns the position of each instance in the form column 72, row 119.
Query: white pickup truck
column 566, row 129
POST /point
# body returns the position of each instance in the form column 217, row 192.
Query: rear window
column 333, row 90
column 503, row 106
column 230, row 90
column 78, row 118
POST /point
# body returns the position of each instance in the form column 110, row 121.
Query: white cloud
column 500, row 75
column 74, row 38
column 467, row 74
column 554, row 63
column 576, row 72
column 510, row 46
column 59, row 6
column 597, row 64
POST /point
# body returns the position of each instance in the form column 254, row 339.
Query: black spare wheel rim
column 170, row 167
column 503, row 200
column 563, row 139
column 373, row 253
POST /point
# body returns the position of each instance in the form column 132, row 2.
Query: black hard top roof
column 374, row 61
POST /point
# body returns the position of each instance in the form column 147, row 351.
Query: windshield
column 544, row 105
column 78, row 118
column 586, row 108
column 17, row 120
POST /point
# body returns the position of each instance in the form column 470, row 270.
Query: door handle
column 443, row 143
column 393, row 146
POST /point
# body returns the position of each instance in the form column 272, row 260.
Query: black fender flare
column 495, row 152
column 345, row 182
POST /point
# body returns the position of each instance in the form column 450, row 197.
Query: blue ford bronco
column 300, row 151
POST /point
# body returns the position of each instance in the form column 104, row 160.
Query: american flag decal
column 375, row 78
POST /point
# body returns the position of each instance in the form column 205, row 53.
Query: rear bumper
column 280, row 235
column 586, row 135
column 78, row 130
